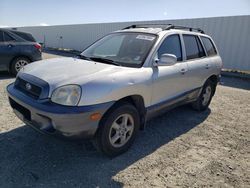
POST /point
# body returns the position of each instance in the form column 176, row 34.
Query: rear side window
column 25, row 36
column 7, row 37
column 209, row 46
column 171, row 45
column 1, row 36
column 193, row 47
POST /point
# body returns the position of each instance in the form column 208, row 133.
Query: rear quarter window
column 25, row 36
column 210, row 48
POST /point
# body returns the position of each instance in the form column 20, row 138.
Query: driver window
column 171, row 45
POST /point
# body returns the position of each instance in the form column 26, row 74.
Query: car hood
column 62, row 71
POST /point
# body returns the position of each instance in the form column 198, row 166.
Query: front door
column 169, row 81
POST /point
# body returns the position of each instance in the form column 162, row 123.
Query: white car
column 118, row 83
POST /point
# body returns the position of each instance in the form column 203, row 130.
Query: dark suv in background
column 17, row 49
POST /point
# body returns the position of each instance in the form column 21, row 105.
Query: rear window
column 193, row 47
column 209, row 46
column 25, row 36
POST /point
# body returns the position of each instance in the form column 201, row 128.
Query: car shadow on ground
column 31, row 159
column 5, row 75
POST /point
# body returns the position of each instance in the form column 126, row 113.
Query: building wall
column 231, row 35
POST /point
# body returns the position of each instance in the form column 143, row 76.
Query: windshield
column 125, row 49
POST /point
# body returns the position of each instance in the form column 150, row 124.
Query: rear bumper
column 36, row 56
column 54, row 119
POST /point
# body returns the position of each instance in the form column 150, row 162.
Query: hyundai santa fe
column 117, row 84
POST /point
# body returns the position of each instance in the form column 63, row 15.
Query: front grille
column 28, row 88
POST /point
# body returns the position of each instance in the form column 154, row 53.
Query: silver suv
column 118, row 83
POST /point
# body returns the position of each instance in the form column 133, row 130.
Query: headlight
column 68, row 95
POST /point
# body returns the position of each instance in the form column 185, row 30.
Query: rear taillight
column 38, row 46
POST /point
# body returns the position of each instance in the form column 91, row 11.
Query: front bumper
column 55, row 119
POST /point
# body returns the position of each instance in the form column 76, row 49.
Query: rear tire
column 117, row 130
column 205, row 97
column 18, row 63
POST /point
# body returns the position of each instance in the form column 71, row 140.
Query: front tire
column 117, row 130
column 205, row 97
column 19, row 63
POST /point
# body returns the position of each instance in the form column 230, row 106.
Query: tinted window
column 7, row 37
column 209, row 46
column 1, row 36
column 191, row 46
column 201, row 50
column 171, row 45
column 25, row 36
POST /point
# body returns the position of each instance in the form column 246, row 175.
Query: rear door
column 169, row 81
column 198, row 65
column 3, row 57
column 8, row 50
column 213, row 59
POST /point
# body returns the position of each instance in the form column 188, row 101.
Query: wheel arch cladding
column 214, row 79
column 138, row 102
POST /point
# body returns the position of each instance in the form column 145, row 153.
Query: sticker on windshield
column 145, row 37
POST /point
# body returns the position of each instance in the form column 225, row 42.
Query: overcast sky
column 59, row 12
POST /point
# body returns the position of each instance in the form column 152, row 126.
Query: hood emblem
column 28, row 86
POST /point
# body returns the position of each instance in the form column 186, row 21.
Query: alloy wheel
column 20, row 64
column 206, row 95
column 121, row 130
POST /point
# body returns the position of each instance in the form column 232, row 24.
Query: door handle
column 183, row 71
column 207, row 66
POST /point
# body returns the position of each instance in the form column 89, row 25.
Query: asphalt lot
column 180, row 148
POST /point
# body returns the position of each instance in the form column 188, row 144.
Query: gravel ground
column 181, row 148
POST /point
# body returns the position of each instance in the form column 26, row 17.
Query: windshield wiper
column 83, row 57
column 104, row 60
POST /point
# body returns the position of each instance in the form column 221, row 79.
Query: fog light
column 95, row 116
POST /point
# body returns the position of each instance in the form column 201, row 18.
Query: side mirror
column 166, row 60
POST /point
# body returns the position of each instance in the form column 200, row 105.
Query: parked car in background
column 17, row 49
column 117, row 84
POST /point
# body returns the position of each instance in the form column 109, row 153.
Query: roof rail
column 165, row 27
column 185, row 28
column 162, row 26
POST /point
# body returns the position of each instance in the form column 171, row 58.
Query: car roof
column 14, row 31
column 18, row 35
